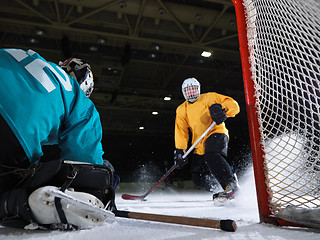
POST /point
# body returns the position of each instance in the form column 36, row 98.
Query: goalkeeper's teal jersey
column 43, row 105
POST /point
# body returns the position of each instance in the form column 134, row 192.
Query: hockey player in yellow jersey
column 196, row 114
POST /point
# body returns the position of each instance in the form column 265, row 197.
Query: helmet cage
column 191, row 89
column 87, row 83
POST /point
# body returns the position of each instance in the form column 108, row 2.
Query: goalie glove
column 179, row 161
column 217, row 113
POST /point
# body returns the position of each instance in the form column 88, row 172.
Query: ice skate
column 228, row 194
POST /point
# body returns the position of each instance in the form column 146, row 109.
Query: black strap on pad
column 57, row 201
column 93, row 179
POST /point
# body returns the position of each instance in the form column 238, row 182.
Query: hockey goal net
column 280, row 54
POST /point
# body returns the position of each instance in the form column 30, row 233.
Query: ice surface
column 191, row 203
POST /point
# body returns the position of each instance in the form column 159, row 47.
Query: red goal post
column 280, row 55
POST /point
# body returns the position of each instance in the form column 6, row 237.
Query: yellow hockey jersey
column 196, row 117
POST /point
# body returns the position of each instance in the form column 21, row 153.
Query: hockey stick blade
column 131, row 197
column 142, row 197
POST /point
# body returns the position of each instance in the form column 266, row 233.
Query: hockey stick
column 134, row 197
column 226, row 225
column 142, row 197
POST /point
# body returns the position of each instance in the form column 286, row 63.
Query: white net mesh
column 284, row 48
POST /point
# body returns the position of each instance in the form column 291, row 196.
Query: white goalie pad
column 81, row 209
column 304, row 216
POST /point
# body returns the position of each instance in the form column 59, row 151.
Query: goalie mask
column 81, row 72
column 191, row 89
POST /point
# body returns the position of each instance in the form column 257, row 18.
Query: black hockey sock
column 220, row 168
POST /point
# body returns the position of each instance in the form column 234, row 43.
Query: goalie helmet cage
column 279, row 47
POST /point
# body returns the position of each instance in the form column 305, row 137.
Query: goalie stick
column 142, row 197
column 225, row 225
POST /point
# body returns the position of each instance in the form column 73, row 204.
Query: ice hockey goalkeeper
column 196, row 114
column 42, row 104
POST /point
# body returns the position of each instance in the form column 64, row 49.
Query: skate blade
column 220, row 201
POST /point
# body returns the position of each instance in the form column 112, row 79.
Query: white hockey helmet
column 191, row 89
column 81, row 72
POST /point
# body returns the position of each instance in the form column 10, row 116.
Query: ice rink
column 191, row 203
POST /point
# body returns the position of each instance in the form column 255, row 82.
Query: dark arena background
column 140, row 53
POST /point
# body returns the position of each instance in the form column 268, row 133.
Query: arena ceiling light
column 33, row 40
column 40, row 32
column 101, row 41
column 206, row 54
column 93, row 48
column 155, row 47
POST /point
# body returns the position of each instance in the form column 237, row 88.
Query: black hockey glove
column 178, row 160
column 217, row 113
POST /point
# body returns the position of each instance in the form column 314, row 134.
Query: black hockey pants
column 15, row 172
column 212, row 164
column 13, row 160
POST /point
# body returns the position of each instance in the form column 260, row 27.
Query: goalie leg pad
column 44, row 209
column 93, row 179
column 309, row 217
